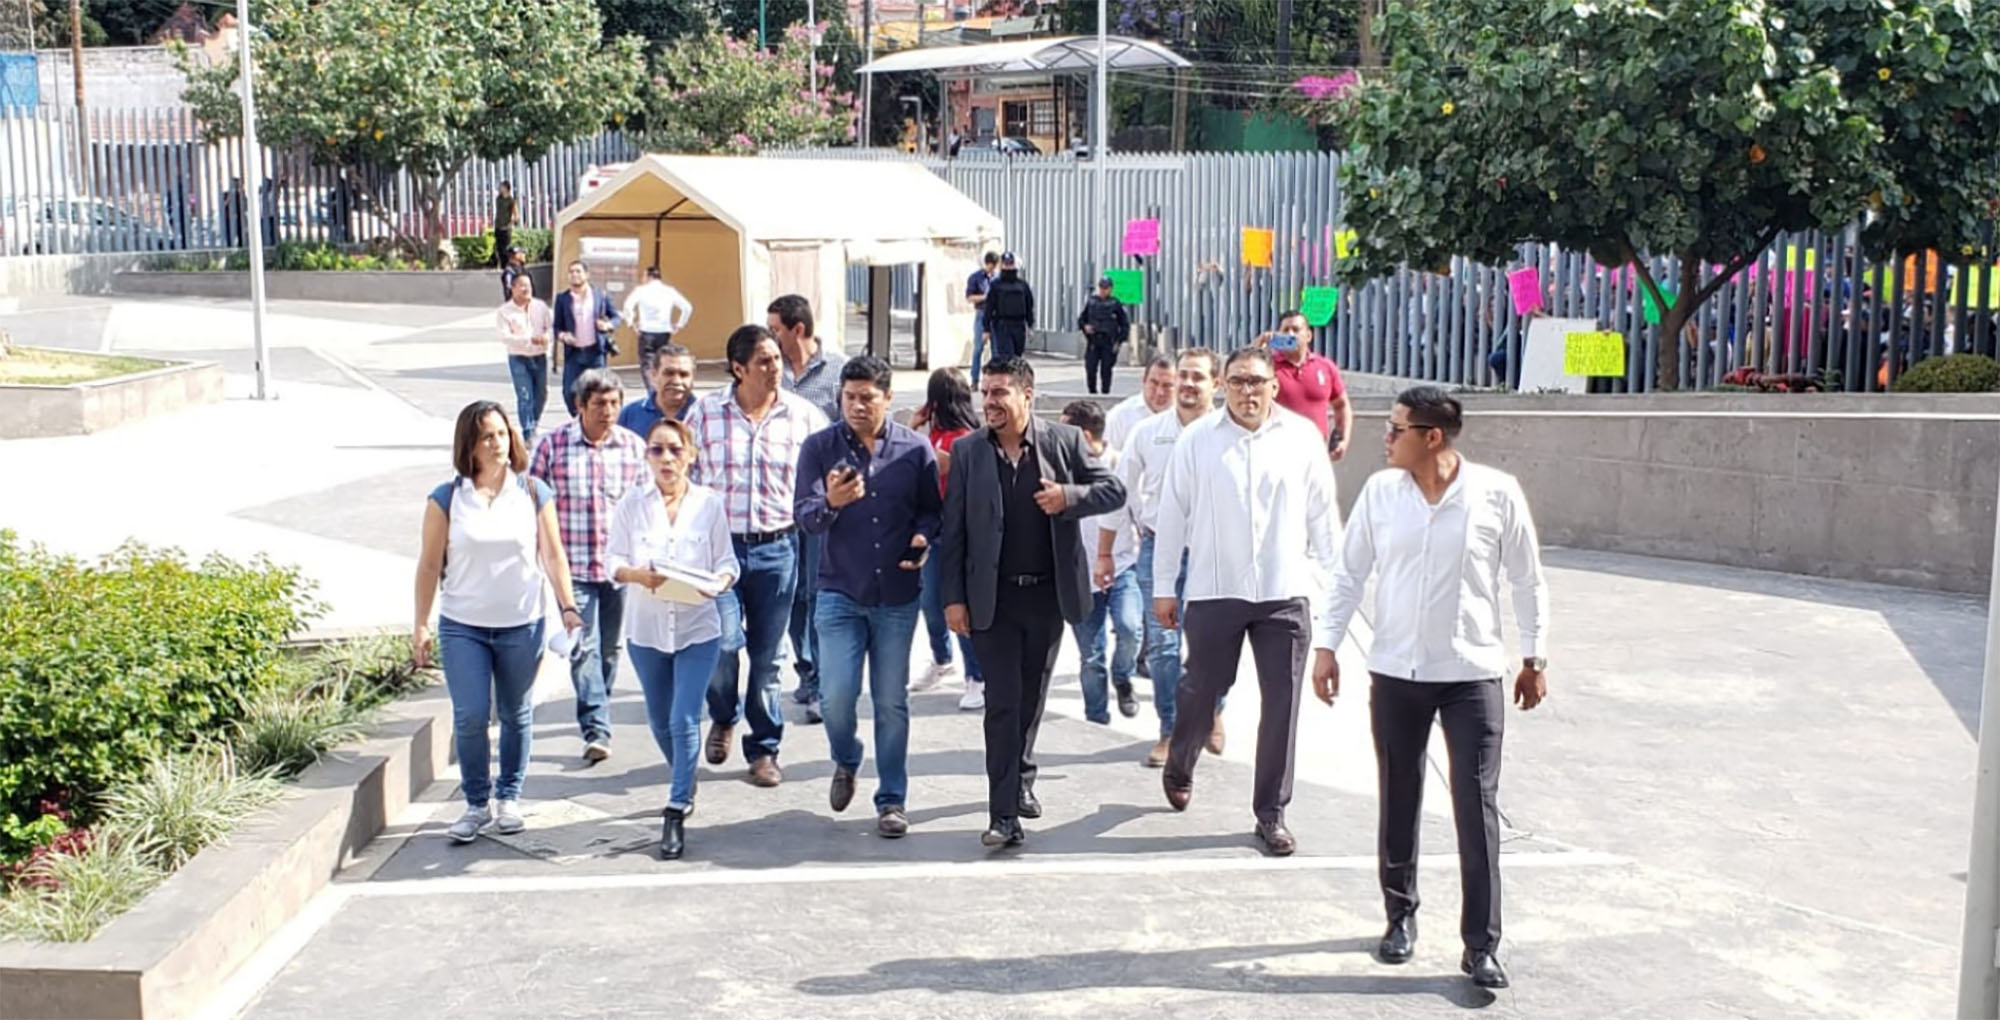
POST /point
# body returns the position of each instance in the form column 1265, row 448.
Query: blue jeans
column 1121, row 604
column 805, row 642
column 932, row 601
column 1163, row 646
column 851, row 632
column 755, row 612
column 577, row 361
column 978, row 353
column 593, row 666
column 675, row 684
column 482, row 664
column 531, row 391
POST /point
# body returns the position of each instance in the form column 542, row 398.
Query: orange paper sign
column 1258, row 243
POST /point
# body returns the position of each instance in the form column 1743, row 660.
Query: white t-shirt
column 492, row 575
column 1125, row 547
column 698, row 537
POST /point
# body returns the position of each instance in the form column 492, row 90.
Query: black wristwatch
column 1536, row 663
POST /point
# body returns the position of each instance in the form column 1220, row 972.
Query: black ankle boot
column 671, row 836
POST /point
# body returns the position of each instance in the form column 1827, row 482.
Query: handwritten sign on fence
column 1258, row 243
column 1594, row 354
column 1343, row 243
column 1318, row 304
column 1128, row 285
column 1142, row 237
column 1526, row 286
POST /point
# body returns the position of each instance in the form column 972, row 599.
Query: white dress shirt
column 1142, row 466
column 1123, row 417
column 1437, row 593
column 1125, row 547
column 1255, row 511
column 525, row 331
column 698, row 538
column 654, row 307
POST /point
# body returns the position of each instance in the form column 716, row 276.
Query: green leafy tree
column 424, row 86
column 1697, row 129
column 715, row 93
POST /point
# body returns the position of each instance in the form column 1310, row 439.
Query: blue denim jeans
column 531, row 391
column 805, row 642
column 755, row 612
column 483, row 665
column 576, row 362
column 978, row 349
column 1120, row 604
column 932, row 601
column 593, row 666
column 851, row 633
column 676, row 684
column 1163, row 646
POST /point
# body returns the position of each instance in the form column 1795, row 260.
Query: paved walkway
column 1747, row 796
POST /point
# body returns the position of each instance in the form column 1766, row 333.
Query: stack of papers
column 685, row 585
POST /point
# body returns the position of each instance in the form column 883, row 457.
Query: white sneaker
column 975, row 697
column 507, row 818
column 937, row 675
column 466, row 829
column 596, row 751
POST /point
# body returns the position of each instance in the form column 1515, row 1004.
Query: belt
column 1024, row 580
column 763, row 537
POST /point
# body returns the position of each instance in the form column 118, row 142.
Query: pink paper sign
column 1526, row 286
column 1142, row 237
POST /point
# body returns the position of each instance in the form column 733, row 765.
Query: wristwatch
column 1536, row 663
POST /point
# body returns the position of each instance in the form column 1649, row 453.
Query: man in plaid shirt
column 590, row 461
column 747, row 439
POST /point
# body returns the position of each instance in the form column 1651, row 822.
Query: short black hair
column 652, row 272
column 1087, row 415
column 869, row 369
column 1290, row 313
column 665, row 351
column 509, row 185
column 1435, row 407
column 743, row 343
column 1214, row 360
column 1250, row 353
column 794, row 311
column 1016, row 368
column 992, row 258
column 1165, row 361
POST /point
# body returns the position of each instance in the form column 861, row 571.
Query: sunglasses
column 673, row 450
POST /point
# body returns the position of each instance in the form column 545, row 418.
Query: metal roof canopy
column 1072, row 54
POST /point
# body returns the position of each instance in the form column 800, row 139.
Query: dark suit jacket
column 969, row 573
column 563, row 320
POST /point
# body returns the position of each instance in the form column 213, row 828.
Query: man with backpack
column 1010, row 311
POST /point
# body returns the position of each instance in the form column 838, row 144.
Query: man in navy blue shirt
column 976, row 286
column 870, row 486
column 672, row 386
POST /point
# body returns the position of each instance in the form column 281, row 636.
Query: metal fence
column 125, row 180
column 1809, row 306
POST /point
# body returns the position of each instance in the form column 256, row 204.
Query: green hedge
column 318, row 256
column 475, row 250
column 1953, row 373
column 106, row 665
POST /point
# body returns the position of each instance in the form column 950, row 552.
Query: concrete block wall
column 1892, row 489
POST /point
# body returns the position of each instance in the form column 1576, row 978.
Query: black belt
column 763, row 537
column 1024, row 580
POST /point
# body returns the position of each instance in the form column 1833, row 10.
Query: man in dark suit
column 1014, row 570
column 584, row 320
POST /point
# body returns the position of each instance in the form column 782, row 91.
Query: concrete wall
column 28, row 412
column 30, row 275
column 476, row 288
column 1893, row 489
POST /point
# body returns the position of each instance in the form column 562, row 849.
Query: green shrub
column 534, row 241
column 185, row 801
column 473, row 250
column 375, row 669
column 290, row 723
column 104, row 666
column 68, row 896
column 1952, row 373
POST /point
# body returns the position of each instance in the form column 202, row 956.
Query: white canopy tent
column 732, row 233
column 1071, row 54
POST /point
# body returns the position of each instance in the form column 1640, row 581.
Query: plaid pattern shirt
column 588, row 479
column 752, row 464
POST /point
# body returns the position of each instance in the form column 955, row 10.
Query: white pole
column 253, row 200
column 812, row 54
column 1979, row 959
column 1098, row 227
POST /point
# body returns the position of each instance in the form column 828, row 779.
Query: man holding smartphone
column 870, row 487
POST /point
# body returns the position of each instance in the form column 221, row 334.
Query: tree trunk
column 430, row 208
column 1667, row 351
column 1371, row 49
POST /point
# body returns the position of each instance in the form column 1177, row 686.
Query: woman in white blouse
column 524, row 322
column 491, row 546
column 673, row 525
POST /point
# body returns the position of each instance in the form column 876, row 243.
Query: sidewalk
column 1748, row 795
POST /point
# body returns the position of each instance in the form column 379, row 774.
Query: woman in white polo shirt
column 672, row 523
column 491, row 548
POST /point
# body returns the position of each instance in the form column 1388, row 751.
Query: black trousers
column 1473, row 713
column 1280, row 634
column 1099, row 354
column 502, row 237
column 649, row 345
column 1016, row 656
column 1010, row 339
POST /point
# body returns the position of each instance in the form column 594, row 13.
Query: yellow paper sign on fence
column 1594, row 354
column 1258, row 243
column 1343, row 243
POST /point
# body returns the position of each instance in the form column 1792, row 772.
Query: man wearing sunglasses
column 1439, row 533
column 1246, row 493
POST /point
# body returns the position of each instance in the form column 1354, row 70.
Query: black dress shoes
column 672, row 838
column 1005, row 832
column 1277, row 840
column 1029, row 807
column 1399, row 943
column 1484, row 968
column 1128, row 703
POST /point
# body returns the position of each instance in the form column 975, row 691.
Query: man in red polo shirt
column 1308, row 383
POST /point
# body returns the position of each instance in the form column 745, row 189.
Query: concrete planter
column 31, row 412
column 470, row 288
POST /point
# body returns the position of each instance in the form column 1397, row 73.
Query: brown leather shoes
column 1217, row 739
column 892, row 822
column 764, row 772
column 1178, row 792
column 1277, row 839
column 1157, row 757
column 841, row 793
column 718, row 742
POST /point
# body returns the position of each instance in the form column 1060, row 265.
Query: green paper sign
column 1594, row 354
column 1652, row 311
column 1318, row 304
column 1128, row 285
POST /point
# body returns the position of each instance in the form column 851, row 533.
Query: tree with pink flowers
column 715, row 93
